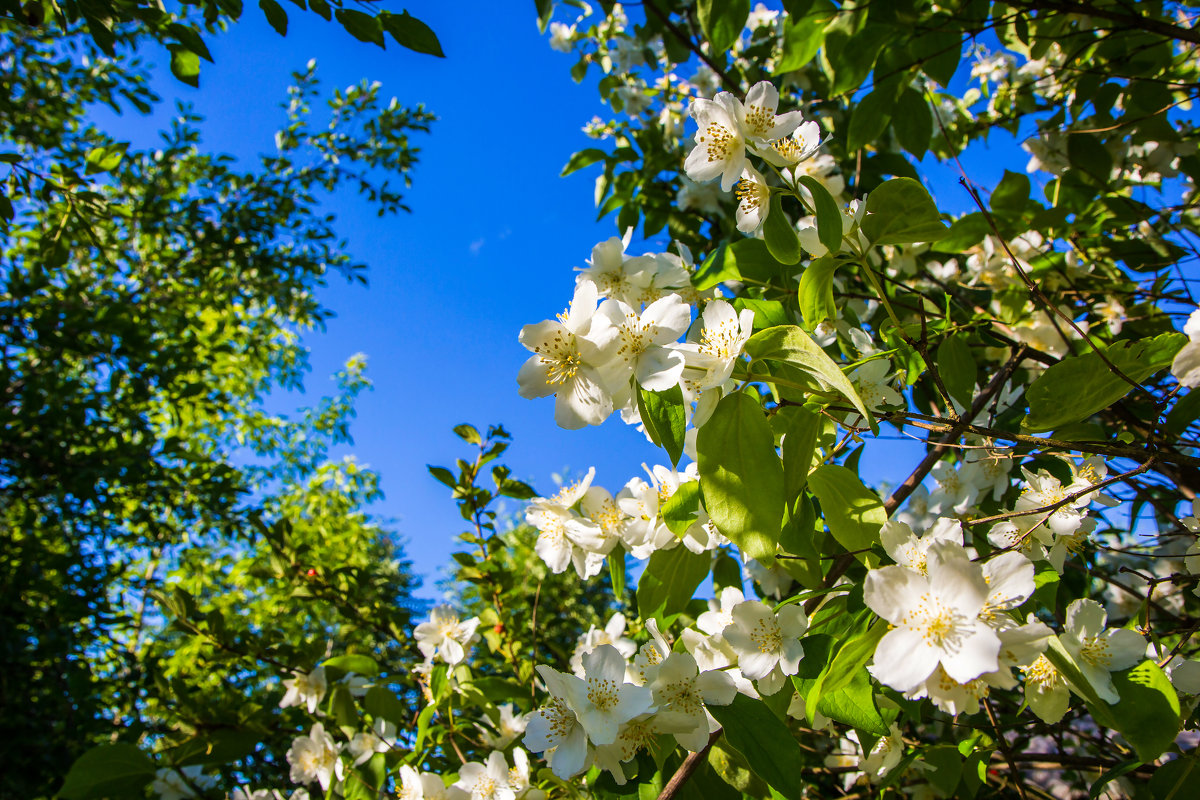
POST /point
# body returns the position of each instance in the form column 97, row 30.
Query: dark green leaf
column 468, row 434
column 722, row 21
column 957, row 367
column 381, row 703
column 669, row 581
column 361, row 26
column 870, row 119
column 1148, row 714
column 802, row 38
column 829, row 216
column 339, row 666
column 913, row 122
column 584, row 158
column 679, row 512
column 1079, row 386
column 900, row 212
column 1011, row 195
column 275, row 15
column 781, row 238
column 1089, row 155
column 764, row 742
column 109, row 770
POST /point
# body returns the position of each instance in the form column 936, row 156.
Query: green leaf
column 853, row 512
column 722, row 21
column 767, row 313
column 957, row 367
column 669, row 581
column 966, row 232
column 816, row 291
column 741, row 477
column 190, row 39
column 110, row 770
column 1171, row 780
column 1185, row 411
column 679, row 512
column 339, row 666
column 545, row 9
column 782, row 241
column 1110, row 775
column 584, row 158
column 1089, row 155
column 220, row 746
column 616, row 571
column 791, row 345
column 946, row 768
column 870, row 119
column 829, row 216
column 276, row 16
column 1011, row 195
column 665, row 419
column 185, row 65
column 362, row 26
column 766, row 744
column 913, row 122
column 854, row 704
column 1148, row 713
column 468, row 434
column 1079, row 386
column 802, row 38
column 381, row 703
column 720, row 266
column 105, row 158
column 800, row 427
column 754, row 260
column 900, row 211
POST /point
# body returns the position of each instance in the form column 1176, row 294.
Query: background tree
column 151, row 302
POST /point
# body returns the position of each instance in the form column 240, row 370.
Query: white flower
column 613, row 633
column 601, row 700
column 1184, row 674
column 488, row 782
column 720, row 148
column 561, row 37
column 1046, row 690
column 791, row 150
column 872, row 380
column 760, row 122
column 1113, row 313
column 554, row 729
column 305, row 690
column 566, row 362
column 936, row 619
column 909, row 550
column 650, row 656
column 426, row 786
column 1098, row 650
column 957, row 489
column 767, row 644
column 640, row 341
column 518, row 777
column 754, row 201
column 614, row 272
column 380, row 739
column 566, row 538
column 680, row 688
column 704, row 198
column 444, row 636
column 761, row 16
column 1186, row 366
column 509, row 726
column 315, row 758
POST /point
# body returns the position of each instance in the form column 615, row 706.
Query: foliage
column 1011, row 614
column 161, row 527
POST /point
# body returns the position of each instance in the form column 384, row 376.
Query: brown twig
column 686, row 769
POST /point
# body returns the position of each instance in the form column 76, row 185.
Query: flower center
column 602, row 693
column 1043, row 673
column 766, row 636
column 1095, row 651
column 718, row 341
column 720, row 141
column 938, row 624
column 760, row 120
column 561, row 355
column 752, row 195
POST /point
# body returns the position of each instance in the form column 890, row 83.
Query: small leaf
column 584, row 158
column 1011, row 195
column 1148, row 713
column 816, row 291
column 185, row 65
column 410, row 32
column 781, row 238
column 276, row 16
column 913, row 122
column 381, row 703
column 870, row 119
column 468, row 434
column 802, row 38
column 957, row 367
column 339, row 666
column 616, row 572
column 361, row 26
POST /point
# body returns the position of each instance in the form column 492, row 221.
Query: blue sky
column 489, row 247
